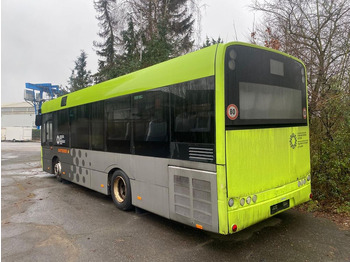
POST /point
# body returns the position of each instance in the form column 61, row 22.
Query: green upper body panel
column 195, row 65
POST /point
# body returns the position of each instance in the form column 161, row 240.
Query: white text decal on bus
column 232, row 112
column 60, row 140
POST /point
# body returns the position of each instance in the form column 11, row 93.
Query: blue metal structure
column 34, row 94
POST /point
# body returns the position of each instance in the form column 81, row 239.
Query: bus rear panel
column 267, row 135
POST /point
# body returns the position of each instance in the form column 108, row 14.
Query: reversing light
column 255, row 197
column 234, row 228
column 230, row 202
column 249, row 200
column 242, row 202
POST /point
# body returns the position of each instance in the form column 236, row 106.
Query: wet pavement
column 44, row 220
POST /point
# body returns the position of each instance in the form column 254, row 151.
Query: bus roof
column 194, row 65
column 184, row 68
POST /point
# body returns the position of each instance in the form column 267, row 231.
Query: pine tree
column 212, row 41
column 107, row 48
column 131, row 56
column 166, row 27
column 80, row 77
column 149, row 33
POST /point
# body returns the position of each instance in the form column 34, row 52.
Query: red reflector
column 234, row 228
column 311, row 196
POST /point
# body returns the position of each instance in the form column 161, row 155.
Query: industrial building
column 17, row 121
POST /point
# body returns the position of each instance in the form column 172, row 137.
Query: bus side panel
column 149, row 178
column 150, row 197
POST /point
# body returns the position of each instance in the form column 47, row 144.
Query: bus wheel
column 121, row 190
column 57, row 169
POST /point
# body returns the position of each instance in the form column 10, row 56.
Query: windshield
column 263, row 88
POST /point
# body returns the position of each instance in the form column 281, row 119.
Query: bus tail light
column 249, row 200
column 311, row 195
column 234, row 228
column 242, row 202
column 255, row 197
column 231, row 202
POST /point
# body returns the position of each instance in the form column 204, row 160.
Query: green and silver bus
column 217, row 139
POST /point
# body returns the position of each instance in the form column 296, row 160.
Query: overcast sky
column 41, row 39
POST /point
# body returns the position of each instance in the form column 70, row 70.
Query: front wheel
column 121, row 190
column 57, row 170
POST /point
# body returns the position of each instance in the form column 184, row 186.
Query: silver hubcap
column 57, row 169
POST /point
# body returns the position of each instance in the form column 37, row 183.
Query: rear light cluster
column 243, row 200
column 303, row 181
column 248, row 200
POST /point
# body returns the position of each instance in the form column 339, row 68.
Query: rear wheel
column 121, row 190
column 57, row 169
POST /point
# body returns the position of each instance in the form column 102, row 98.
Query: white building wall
column 18, row 114
column 23, row 120
column 17, row 121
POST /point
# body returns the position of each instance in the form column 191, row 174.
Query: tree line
column 138, row 33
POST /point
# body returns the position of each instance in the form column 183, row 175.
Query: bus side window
column 79, row 124
column 97, row 126
column 118, row 117
column 193, row 104
column 151, row 123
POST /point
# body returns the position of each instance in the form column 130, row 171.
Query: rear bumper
column 255, row 212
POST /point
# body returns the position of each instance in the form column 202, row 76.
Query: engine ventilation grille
column 192, row 198
column 201, row 154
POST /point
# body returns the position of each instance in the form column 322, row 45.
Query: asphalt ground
column 44, row 220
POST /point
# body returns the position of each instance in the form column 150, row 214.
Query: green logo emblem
column 293, row 140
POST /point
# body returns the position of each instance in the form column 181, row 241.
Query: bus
column 217, row 139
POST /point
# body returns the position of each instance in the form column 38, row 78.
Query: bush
column 330, row 148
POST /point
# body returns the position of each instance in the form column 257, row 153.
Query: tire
column 121, row 190
column 57, row 170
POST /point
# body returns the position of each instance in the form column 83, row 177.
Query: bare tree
column 318, row 33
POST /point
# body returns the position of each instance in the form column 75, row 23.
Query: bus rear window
column 263, row 88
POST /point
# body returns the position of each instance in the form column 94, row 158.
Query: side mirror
column 38, row 120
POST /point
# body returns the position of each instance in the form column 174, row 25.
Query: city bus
column 217, row 139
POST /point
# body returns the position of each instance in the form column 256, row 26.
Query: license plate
column 278, row 207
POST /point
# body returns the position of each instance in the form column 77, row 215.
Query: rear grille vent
column 201, row 154
column 192, row 198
